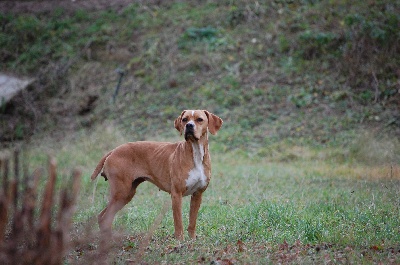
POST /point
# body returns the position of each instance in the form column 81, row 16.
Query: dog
column 181, row 169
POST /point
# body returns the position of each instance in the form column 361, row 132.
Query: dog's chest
column 196, row 179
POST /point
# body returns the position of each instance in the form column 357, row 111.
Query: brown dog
column 181, row 169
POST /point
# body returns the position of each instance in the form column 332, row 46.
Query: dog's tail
column 100, row 165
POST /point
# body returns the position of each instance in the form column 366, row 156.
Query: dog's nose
column 189, row 126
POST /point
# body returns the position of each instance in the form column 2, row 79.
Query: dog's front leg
column 177, row 213
column 195, row 202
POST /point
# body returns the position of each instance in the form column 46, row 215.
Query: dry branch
column 25, row 239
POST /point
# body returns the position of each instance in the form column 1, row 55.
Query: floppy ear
column 178, row 124
column 214, row 122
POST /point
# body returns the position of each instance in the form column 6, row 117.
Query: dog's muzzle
column 189, row 132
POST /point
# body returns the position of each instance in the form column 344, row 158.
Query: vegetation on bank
column 317, row 70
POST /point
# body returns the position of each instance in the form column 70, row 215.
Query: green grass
column 294, row 180
column 300, row 203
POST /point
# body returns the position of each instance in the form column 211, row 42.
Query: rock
column 10, row 86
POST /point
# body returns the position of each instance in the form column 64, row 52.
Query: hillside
column 308, row 71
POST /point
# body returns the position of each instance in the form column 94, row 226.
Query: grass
column 302, row 205
column 296, row 83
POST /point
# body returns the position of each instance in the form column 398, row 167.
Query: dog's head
column 195, row 123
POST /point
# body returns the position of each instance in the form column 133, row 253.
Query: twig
column 94, row 190
column 45, row 214
column 121, row 74
column 30, row 242
column 4, row 198
column 16, row 178
column 376, row 87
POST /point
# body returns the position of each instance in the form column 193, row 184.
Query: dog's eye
column 199, row 120
column 184, row 120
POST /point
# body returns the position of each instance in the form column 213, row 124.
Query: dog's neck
column 198, row 153
column 200, row 146
column 198, row 175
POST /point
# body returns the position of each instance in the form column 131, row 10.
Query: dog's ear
column 178, row 124
column 214, row 122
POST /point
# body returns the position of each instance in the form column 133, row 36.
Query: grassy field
column 297, row 205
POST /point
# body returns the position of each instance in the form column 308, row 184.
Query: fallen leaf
column 220, row 261
column 284, row 246
column 376, row 248
column 241, row 246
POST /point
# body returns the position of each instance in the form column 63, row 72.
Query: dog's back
column 139, row 159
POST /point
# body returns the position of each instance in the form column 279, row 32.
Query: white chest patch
column 196, row 179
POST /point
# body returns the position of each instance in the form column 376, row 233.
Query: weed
column 303, row 99
column 316, row 44
column 371, row 149
column 207, row 35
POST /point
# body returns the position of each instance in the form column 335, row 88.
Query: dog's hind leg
column 117, row 201
column 106, row 217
